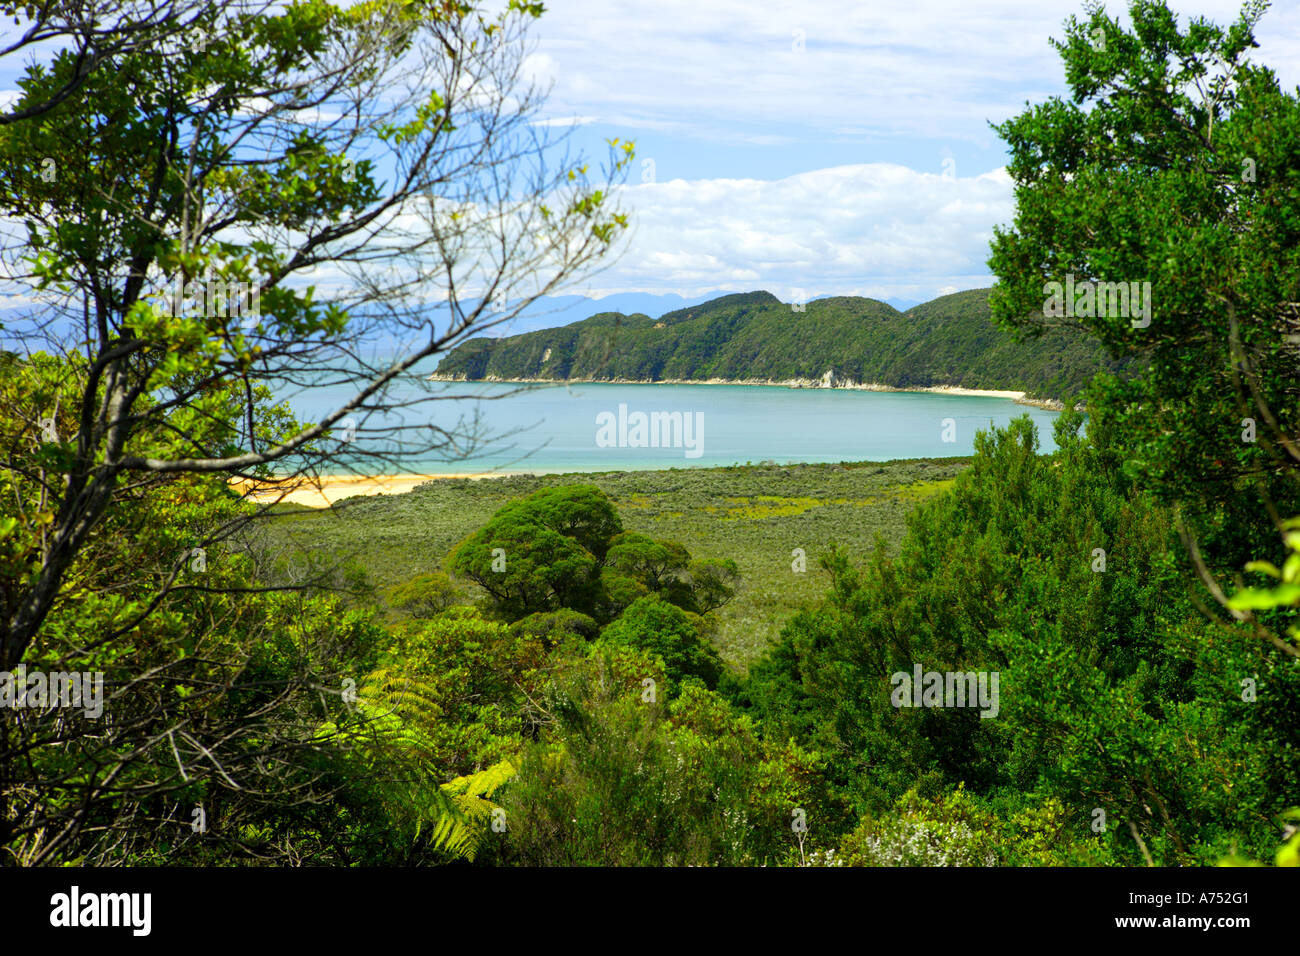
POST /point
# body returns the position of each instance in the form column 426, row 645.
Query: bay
column 558, row 428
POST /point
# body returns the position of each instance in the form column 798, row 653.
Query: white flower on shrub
column 913, row 843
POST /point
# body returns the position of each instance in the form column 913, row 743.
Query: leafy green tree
column 638, row 565
column 714, row 582
column 558, row 628
column 424, row 595
column 170, row 203
column 655, row 564
column 674, row 636
column 542, row 553
column 580, row 512
column 1190, row 153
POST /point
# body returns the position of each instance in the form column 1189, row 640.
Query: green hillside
column 755, row 336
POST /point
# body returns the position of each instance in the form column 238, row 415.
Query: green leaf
column 1254, row 599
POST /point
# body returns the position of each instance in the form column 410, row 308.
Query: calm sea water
column 581, row 427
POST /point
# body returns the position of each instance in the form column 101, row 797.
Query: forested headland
column 754, row 337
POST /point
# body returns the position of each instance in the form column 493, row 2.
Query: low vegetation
column 756, row 516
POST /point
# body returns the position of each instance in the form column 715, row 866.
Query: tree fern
column 462, row 832
column 388, row 740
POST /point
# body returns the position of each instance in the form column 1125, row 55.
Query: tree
column 315, row 194
column 425, row 595
column 676, row 637
column 526, row 567
column 1190, row 156
column 95, row 32
column 543, row 552
column 714, row 581
column 580, row 512
column 204, row 737
column 557, row 628
column 638, row 565
column 656, row 564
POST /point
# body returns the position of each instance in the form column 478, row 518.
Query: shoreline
column 325, row 491
column 827, row 381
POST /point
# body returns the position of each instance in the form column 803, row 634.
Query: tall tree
column 261, row 200
column 1156, row 208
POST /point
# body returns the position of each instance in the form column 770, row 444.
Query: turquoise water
column 559, row 428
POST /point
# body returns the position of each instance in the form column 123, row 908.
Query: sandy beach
column 1050, row 404
column 331, row 488
column 830, row 381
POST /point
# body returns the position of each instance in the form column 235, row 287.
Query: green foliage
column 449, row 696
column 1288, row 854
column 459, row 684
column 564, row 627
column 752, row 336
column 654, row 564
column 462, row 832
column 638, row 565
column 625, row 781
column 1193, row 154
column 951, row 831
column 1114, row 693
column 956, row 828
column 581, row 512
column 676, row 637
column 424, row 595
column 1285, row 594
column 715, row 581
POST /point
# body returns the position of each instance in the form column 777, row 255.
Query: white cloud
column 540, row 68
column 565, row 121
column 880, row 230
column 831, row 231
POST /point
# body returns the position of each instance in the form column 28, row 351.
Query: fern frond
column 463, row 832
column 392, row 742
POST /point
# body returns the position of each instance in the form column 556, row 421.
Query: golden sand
column 326, row 490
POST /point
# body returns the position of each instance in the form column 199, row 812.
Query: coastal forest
column 695, row 666
column 837, row 341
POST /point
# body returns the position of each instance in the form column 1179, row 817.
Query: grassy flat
column 754, row 514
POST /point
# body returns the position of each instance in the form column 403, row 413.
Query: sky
column 824, row 148
column 812, row 149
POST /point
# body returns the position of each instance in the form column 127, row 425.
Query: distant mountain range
column 754, row 337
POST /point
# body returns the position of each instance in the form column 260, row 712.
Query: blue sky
column 803, row 146
column 811, row 149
